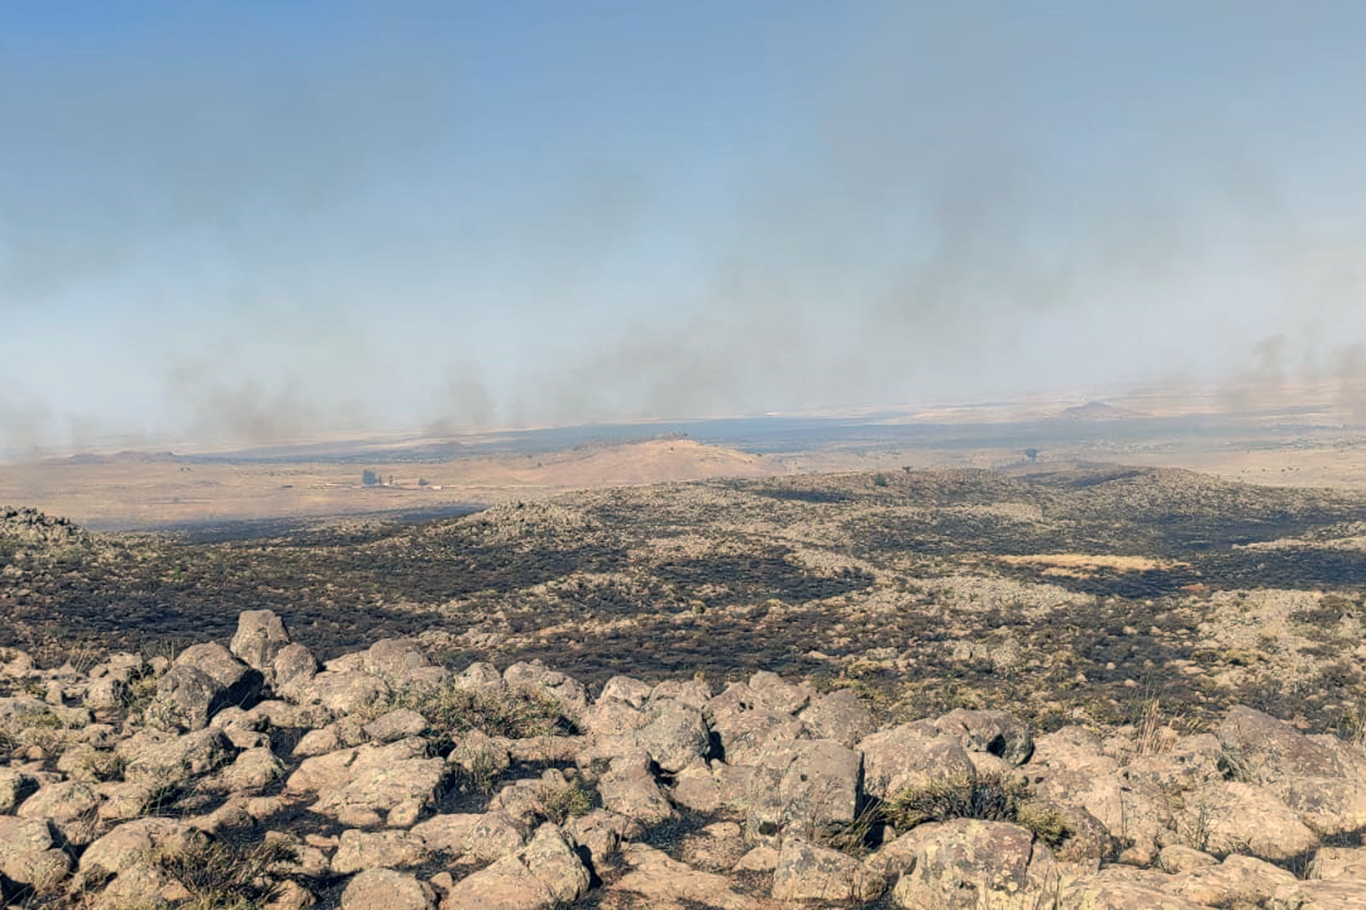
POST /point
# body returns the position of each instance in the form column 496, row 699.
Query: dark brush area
column 863, row 579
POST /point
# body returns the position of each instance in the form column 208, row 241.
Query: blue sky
column 257, row 221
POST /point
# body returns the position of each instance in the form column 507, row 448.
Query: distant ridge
column 126, row 457
column 1098, row 410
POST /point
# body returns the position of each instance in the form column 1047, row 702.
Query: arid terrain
column 1053, row 576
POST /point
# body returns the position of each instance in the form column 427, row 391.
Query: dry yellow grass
column 1079, row 563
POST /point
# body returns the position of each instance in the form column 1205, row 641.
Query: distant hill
column 125, row 457
column 1098, row 410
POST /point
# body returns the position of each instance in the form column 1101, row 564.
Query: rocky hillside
column 1062, row 596
column 253, row 776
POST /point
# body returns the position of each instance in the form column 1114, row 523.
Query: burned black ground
column 894, row 583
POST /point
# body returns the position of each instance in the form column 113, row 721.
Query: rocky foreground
column 251, row 776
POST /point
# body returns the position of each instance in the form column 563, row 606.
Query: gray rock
column 293, row 666
column 243, row 683
column 29, row 854
column 675, row 736
column 626, row 690
column 1270, row 749
column 378, row 849
column 386, row 889
column 253, row 769
column 395, row 658
column 543, row 874
column 966, row 864
column 71, row 806
column 695, row 692
column 15, row 787
column 774, row 693
column 395, row 725
column 809, row 872
column 260, row 637
column 840, row 716
column 1337, row 894
column 995, row 732
column 204, row 680
column 535, row 677
column 130, row 842
column 484, row 837
column 628, row 788
column 802, row 789
column 174, row 760
column 744, row 733
column 902, row 757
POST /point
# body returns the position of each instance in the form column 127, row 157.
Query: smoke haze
column 252, row 224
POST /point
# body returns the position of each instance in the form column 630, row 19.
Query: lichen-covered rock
column 543, row 874
column 808, row 872
column 71, row 806
column 535, row 677
column 663, row 883
column 995, row 732
column 1111, row 894
column 1338, row 862
column 628, row 788
column 1271, row 749
column 838, row 716
column 172, row 760
column 375, row 849
column 1233, row 817
column 29, row 854
column 387, row 889
column 675, row 736
column 803, row 788
column 744, row 729
column 903, row 756
column 131, row 841
column 15, row 787
column 1239, row 881
column 966, row 864
column 260, row 637
column 1336, row 894
column 394, row 725
column 1328, row 806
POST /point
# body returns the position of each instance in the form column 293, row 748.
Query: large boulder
column 260, row 637
column 1232, row 817
column 994, row 732
column 675, row 736
column 204, row 680
column 904, row 756
column 808, row 872
column 805, row 788
column 387, row 889
column 71, row 806
column 378, row 849
column 1263, row 748
column 840, row 716
column 547, row 872
column 966, row 864
column 29, row 854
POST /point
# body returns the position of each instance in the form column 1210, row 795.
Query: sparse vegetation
column 223, row 877
column 988, row 797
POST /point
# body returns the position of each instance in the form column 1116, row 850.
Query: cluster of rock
column 258, row 743
column 31, row 527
